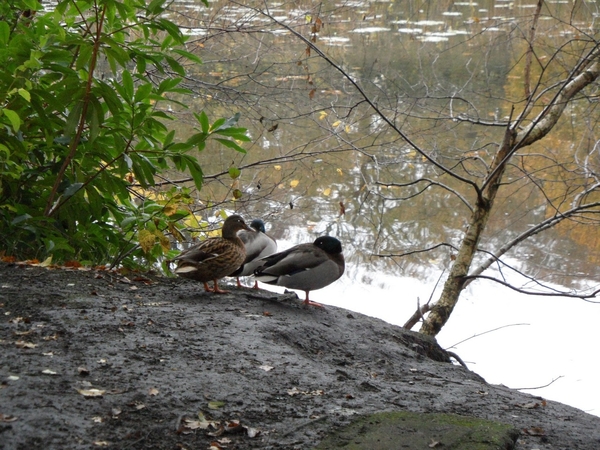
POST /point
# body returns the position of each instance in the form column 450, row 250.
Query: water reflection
column 428, row 65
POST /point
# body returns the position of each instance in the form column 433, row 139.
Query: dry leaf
column 7, row 418
column 48, row 372
column 294, row 183
column 153, row 391
column 91, row 393
column 534, row 431
column 215, row 404
column 252, row 432
column 266, row 368
column 23, row 344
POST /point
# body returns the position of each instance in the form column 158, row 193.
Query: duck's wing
column 205, row 251
column 294, row 260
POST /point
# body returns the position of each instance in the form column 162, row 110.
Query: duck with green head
column 306, row 267
column 216, row 257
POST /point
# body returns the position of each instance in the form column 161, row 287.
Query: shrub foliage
column 82, row 128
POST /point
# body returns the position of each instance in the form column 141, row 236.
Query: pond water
column 322, row 162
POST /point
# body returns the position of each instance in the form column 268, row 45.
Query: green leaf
column 156, row 6
column 25, row 94
column 196, row 139
column 230, row 144
column 127, row 83
column 14, row 118
column 72, row 189
column 188, row 55
column 4, row 33
column 228, row 123
column 175, row 66
column 143, row 92
column 202, row 119
column 234, row 172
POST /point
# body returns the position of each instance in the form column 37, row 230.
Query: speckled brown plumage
column 214, row 258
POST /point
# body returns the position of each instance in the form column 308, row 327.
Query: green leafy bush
column 76, row 142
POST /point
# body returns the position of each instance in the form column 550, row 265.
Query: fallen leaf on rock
column 233, row 426
column 23, row 344
column 218, row 432
column 101, row 443
column 295, row 391
column 22, row 333
column 534, row 431
column 530, row 405
column 91, row 393
column 83, row 371
column 7, row 418
column 252, row 432
column 435, row 444
column 97, row 419
column 215, row 404
column 48, row 354
column 152, row 391
column 54, row 337
column 49, row 372
column 266, row 368
column 215, row 446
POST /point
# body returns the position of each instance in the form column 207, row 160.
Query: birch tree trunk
column 584, row 74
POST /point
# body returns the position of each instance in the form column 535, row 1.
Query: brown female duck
column 216, row 257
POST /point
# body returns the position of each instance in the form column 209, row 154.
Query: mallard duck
column 306, row 267
column 216, row 257
column 258, row 245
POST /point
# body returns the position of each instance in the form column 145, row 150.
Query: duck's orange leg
column 308, row 302
column 216, row 289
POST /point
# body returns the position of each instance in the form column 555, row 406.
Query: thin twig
column 485, row 332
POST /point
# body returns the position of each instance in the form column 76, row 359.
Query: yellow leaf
column 164, row 241
column 146, row 239
column 327, row 192
column 175, row 232
column 294, row 183
column 277, row 167
column 339, row 171
column 336, row 123
column 170, row 210
column 322, row 115
column 46, row 262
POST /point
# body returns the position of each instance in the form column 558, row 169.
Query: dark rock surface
column 92, row 359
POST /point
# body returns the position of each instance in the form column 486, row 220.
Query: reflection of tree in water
column 317, row 143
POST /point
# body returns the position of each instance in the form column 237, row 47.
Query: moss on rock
column 398, row 430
